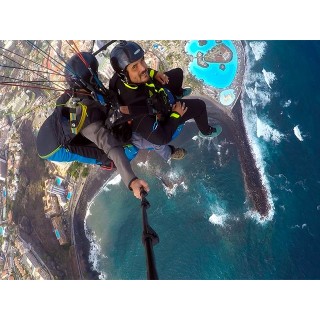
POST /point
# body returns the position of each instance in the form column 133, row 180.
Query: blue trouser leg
column 64, row 155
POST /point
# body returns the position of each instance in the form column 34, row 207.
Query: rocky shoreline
column 255, row 188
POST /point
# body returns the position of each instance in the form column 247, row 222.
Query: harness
column 157, row 100
column 62, row 126
column 78, row 114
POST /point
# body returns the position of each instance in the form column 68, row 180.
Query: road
column 73, row 204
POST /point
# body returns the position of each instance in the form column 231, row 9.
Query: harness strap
column 76, row 127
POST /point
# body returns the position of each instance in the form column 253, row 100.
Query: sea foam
column 267, row 132
column 297, row 133
column 287, row 104
column 258, row 49
column 112, row 181
column 257, row 91
column 218, row 219
column 95, row 253
column 217, row 209
column 269, row 77
column 175, row 180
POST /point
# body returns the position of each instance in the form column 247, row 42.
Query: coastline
column 94, row 182
column 233, row 131
column 255, row 188
column 233, row 121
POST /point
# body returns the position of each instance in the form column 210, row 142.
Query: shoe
column 177, row 153
column 214, row 132
column 185, row 92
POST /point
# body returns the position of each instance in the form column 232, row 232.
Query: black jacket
column 137, row 98
column 55, row 132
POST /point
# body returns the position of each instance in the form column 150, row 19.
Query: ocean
column 206, row 227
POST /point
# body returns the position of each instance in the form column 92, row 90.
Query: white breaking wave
column 257, row 90
column 258, row 49
column 95, row 254
column 269, row 77
column 218, row 219
column 255, row 215
column 258, row 84
column 287, row 104
column 297, row 133
column 175, row 179
column 267, row 132
column 297, row 226
column 95, row 248
column 114, row 181
column 218, row 215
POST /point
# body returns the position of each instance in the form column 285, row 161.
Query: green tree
column 74, row 169
column 85, row 172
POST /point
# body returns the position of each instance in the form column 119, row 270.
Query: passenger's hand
column 136, row 185
column 180, row 108
column 162, row 78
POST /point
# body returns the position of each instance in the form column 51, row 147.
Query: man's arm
column 102, row 138
column 122, row 163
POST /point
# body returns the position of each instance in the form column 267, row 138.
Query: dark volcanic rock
column 25, row 225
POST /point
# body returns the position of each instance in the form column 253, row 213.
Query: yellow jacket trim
column 175, row 115
column 50, row 154
column 134, row 87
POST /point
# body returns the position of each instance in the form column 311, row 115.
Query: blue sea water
column 207, row 229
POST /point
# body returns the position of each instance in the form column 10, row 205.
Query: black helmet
column 77, row 73
column 123, row 54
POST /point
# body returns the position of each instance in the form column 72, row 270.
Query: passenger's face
column 138, row 71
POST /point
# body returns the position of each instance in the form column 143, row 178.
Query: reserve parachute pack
column 73, row 114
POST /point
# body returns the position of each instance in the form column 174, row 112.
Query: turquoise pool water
column 1, row 231
column 212, row 75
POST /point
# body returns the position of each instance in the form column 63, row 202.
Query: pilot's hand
column 136, row 186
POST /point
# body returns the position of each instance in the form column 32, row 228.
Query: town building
column 51, row 205
column 59, row 231
column 3, row 169
column 34, row 267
